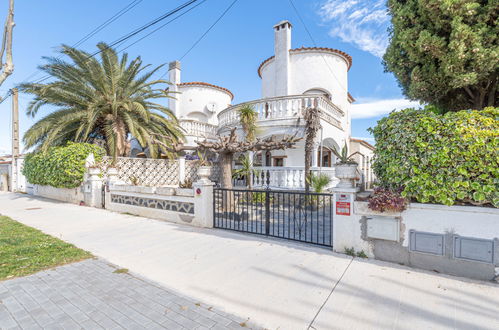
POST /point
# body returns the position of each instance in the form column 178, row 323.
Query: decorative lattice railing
column 156, row 172
column 146, row 171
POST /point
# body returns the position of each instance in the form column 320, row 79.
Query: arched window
column 199, row 116
column 319, row 91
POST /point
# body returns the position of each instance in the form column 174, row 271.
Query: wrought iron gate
column 293, row 215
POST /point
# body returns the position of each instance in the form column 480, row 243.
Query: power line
column 315, row 44
column 205, row 33
column 99, row 28
column 148, row 25
column 6, row 96
column 109, row 21
column 136, row 31
column 162, row 26
column 209, row 29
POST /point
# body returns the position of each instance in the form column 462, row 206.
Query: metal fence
column 292, row 215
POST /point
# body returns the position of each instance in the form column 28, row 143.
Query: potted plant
column 345, row 167
column 204, row 167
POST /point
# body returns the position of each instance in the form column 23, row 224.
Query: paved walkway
column 277, row 284
column 93, row 294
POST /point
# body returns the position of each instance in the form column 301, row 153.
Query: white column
column 93, row 188
column 282, row 45
column 181, row 170
column 174, row 77
column 315, row 155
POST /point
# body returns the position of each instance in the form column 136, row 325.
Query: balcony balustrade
column 284, row 107
column 198, row 129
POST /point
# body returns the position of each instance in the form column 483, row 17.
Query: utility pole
column 15, row 138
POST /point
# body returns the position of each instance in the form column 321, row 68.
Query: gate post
column 349, row 227
column 203, row 203
column 345, row 228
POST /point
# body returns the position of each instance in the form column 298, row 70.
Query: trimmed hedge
column 444, row 159
column 60, row 167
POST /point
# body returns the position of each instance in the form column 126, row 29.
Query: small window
column 279, row 161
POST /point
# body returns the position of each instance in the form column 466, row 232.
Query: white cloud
column 4, row 150
column 376, row 108
column 363, row 23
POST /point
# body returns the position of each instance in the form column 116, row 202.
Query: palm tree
column 248, row 117
column 246, row 170
column 104, row 100
column 312, row 126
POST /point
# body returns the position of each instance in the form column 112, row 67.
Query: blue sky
column 228, row 56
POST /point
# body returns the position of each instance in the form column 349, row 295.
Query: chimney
column 282, row 45
column 174, row 77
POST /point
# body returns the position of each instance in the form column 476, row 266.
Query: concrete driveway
column 277, row 284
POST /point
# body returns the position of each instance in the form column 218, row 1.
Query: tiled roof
column 365, row 143
column 200, row 83
column 347, row 57
column 350, row 97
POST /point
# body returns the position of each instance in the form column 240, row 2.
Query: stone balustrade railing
column 198, row 129
column 284, row 107
column 289, row 177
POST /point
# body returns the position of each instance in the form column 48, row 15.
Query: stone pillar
column 181, row 170
column 347, row 226
column 203, row 203
column 174, row 77
column 93, row 188
column 315, row 155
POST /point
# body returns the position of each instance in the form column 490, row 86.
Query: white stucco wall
column 468, row 221
column 193, row 101
column 472, row 221
column 309, row 70
column 73, row 195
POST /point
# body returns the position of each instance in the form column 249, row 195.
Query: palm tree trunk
column 309, row 144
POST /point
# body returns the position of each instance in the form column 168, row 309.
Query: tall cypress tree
column 446, row 52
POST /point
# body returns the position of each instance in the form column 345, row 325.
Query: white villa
column 292, row 81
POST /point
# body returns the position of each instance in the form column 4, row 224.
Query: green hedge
column 444, row 159
column 60, row 167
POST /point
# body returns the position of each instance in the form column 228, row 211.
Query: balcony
column 284, row 108
column 290, row 177
column 197, row 129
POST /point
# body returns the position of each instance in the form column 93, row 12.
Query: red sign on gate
column 342, row 204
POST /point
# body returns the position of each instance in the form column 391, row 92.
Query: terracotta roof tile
column 350, row 97
column 365, row 143
column 200, row 83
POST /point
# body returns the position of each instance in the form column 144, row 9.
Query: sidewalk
column 93, row 294
column 273, row 283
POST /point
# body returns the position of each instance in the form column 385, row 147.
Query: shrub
column 442, row 159
column 60, row 167
column 319, row 182
column 387, row 200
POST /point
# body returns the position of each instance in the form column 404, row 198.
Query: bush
column 443, row 159
column 387, row 200
column 60, row 167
